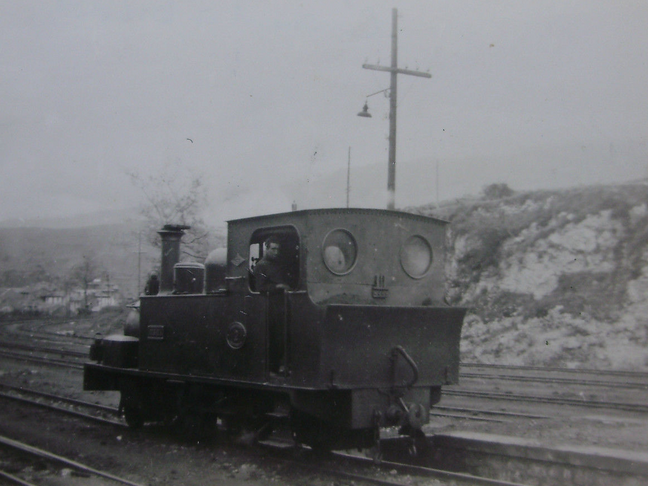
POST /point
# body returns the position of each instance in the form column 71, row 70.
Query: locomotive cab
column 365, row 312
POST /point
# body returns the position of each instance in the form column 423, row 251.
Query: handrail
column 394, row 356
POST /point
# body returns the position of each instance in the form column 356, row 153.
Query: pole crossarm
column 396, row 70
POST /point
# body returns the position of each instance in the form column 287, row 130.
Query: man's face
column 272, row 251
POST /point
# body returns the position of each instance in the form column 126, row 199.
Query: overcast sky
column 268, row 92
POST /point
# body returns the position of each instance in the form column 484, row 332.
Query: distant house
column 102, row 295
column 18, row 300
column 57, row 301
column 10, row 299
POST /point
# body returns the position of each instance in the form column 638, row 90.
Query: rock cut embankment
column 552, row 278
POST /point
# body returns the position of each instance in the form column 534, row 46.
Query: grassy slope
column 552, row 277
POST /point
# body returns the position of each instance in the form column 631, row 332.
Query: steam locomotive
column 362, row 341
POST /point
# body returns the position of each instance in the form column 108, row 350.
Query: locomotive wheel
column 265, row 431
column 134, row 416
column 195, row 420
column 375, row 453
column 233, row 425
column 195, row 426
column 132, row 404
column 312, row 432
column 247, row 430
column 419, row 444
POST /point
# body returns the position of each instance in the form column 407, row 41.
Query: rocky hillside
column 553, row 278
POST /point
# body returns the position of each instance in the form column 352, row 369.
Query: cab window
column 339, row 251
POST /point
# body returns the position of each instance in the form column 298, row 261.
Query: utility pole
column 394, row 70
column 139, row 262
column 348, row 176
column 437, row 183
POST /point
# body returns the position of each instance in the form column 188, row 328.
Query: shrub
column 498, row 190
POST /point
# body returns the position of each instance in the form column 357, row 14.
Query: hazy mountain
column 119, row 251
column 98, row 218
column 29, row 255
column 420, row 182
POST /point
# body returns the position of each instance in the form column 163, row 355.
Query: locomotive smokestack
column 171, row 235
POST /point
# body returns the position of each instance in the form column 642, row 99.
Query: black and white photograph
column 333, row 243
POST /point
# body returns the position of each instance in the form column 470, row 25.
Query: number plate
column 156, row 332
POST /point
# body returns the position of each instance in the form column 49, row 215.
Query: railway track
column 53, row 403
column 57, row 398
column 331, row 466
column 41, row 359
column 477, row 414
column 46, row 350
column 628, row 407
column 355, row 467
column 632, row 374
column 590, row 378
column 557, row 380
column 39, row 455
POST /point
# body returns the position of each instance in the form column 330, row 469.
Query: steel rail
column 75, row 336
column 434, row 413
column 35, row 451
column 31, row 347
column 51, row 396
column 33, row 331
column 40, row 359
column 48, row 335
column 15, row 479
column 67, row 411
column 491, row 412
column 628, row 407
column 430, row 472
column 564, row 381
column 278, row 447
column 634, row 374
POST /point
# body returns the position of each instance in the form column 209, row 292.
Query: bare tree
column 83, row 274
column 175, row 196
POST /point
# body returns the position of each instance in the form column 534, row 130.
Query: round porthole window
column 339, row 251
column 416, row 256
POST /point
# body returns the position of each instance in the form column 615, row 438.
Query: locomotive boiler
column 360, row 340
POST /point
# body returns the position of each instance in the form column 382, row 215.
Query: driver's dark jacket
column 269, row 274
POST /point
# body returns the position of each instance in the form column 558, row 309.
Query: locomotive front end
column 385, row 341
column 394, row 360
